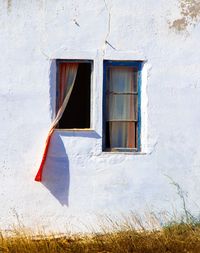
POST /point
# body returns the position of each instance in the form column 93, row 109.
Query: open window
column 74, row 84
column 121, row 106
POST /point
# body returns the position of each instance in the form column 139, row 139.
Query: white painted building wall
column 91, row 183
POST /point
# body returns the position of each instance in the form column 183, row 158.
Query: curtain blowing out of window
column 67, row 76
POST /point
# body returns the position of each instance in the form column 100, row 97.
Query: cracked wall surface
column 190, row 15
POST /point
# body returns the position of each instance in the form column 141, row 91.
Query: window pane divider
column 119, row 120
column 121, row 93
column 120, row 149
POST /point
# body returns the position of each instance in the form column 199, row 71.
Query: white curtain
column 67, row 77
column 122, row 100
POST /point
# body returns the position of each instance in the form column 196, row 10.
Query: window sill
column 74, row 130
column 122, row 153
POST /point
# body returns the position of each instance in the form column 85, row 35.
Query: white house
column 129, row 135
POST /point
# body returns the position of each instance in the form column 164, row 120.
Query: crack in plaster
column 153, row 149
column 9, row 5
column 76, row 23
column 109, row 29
column 190, row 15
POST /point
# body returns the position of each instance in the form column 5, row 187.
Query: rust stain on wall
column 190, row 15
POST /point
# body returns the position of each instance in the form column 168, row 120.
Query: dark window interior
column 107, row 135
column 77, row 112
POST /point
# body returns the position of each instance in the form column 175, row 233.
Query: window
column 121, row 106
column 73, row 84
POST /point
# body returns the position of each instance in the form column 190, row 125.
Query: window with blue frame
column 121, row 106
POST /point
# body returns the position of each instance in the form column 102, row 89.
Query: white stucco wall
column 90, row 183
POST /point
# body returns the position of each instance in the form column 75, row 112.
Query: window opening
column 77, row 111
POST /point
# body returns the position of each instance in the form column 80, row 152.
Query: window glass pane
column 122, row 107
column 122, row 79
column 122, row 134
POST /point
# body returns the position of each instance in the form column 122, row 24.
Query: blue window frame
column 122, row 106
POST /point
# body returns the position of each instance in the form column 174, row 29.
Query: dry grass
column 176, row 237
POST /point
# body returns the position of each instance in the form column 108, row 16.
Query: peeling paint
column 179, row 24
column 190, row 15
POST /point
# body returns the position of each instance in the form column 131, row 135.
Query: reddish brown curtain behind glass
column 67, row 76
column 122, row 107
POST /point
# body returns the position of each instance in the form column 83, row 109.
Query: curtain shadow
column 56, row 174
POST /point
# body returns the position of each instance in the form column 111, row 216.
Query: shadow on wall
column 56, row 175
